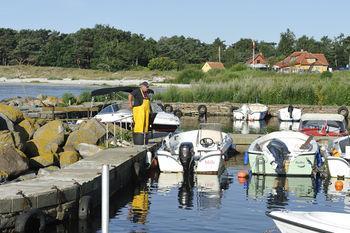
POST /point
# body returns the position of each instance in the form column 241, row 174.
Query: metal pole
column 105, row 198
column 107, row 134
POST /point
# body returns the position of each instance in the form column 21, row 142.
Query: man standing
column 139, row 102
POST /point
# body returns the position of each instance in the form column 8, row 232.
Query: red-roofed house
column 303, row 61
column 259, row 62
column 212, row 65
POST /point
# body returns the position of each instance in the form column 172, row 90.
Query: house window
column 258, row 61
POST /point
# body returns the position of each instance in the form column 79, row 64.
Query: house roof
column 216, row 65
column 250, row 60
column 302, row 58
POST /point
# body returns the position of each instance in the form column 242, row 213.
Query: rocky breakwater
column 38, row 146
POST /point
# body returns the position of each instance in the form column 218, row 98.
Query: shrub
column 68, row 98
column 162, row 63
column 326, row 74
column 85, row 96
column 239, row 67
column 188, row 76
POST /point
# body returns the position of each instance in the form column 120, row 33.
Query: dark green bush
column 326, row 74
column 188, row 76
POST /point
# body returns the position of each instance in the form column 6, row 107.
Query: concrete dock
column 58, row 193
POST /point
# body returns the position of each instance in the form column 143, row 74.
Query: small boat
column 202, row 151
column 283, row 153
column 338, row 164
column 317, row 124
column 299, row 221
column 250, row 112
column 159, row 120
column 289, row 114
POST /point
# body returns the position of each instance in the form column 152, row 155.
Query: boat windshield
column 109, row 109
column 344, row 143
column 156, row 108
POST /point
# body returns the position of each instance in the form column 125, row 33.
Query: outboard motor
column 279, row 150
column 186, row 154
column 290, row 110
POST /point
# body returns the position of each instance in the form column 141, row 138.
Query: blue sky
column 228, row 19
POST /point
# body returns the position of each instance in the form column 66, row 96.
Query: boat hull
column 338, row 167
column 284, row 115
column 211, row 164
column 301, row 165
column 298, row 221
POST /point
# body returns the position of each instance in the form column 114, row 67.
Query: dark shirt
column 138, row 97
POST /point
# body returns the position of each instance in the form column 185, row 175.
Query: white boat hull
column 298, row 162
column 338, row 167
column 251, row 112
column 207, row 160
column 284, row 115
column 298, row 221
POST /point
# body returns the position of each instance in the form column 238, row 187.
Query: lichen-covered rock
column 5, row 123
column 95, row 126
column 68, row 157
column 43, row 160
column 12, row 113
column 12, row 161
column 12, row 138
column 26, row 129
column 87, row 150
column 51, row 132
column 80, row 136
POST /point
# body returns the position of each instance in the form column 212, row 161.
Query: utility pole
column 219, row 53
column 253, row 59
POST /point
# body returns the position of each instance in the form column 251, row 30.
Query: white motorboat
column 250, row 112
column 202, row 150
column 283, row 153
column 299, row 221
column 338, row 164
column 289, row 114
column 120, row 114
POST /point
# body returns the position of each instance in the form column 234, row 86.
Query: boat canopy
column 109, row 90
column 322, row 117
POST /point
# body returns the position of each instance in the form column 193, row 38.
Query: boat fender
column 245, row 158
column 32, row 220
column 202, row 110
column 343, row 111
column 85, row 207
column 339, row 185
column 168, row 108
column 149, row 158
column 178, row 113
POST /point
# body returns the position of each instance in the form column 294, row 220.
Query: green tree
column 162, row 63
column 286, row 44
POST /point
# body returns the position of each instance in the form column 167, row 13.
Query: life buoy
column 343, row 111
column 29, row 221
column 85, row 207
column 168, row 108
column 202, row 109
column 178, row 113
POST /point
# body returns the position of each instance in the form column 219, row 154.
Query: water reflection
column 139, row 204
column 200, row 191
column 278, row 189
column 249, row 127
column 287, row 125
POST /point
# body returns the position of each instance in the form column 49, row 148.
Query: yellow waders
column 141, row 116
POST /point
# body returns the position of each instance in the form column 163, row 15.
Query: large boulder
column 68, row 157
column 13, row 138
column 89, row 132
column 26, row 129
column 51, row 132
column 87, row 150
column 94, row 125
column 5, row 123
column 12, row 113
column 12, row 161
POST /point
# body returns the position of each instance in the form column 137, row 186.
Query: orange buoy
column 242, row 174
column 339, row 185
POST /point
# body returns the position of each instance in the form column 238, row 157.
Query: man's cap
column 144, row 84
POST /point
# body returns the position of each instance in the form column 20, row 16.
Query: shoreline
column 87, row 82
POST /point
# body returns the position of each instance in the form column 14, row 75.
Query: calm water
column 35, row 89
column 208, row 203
